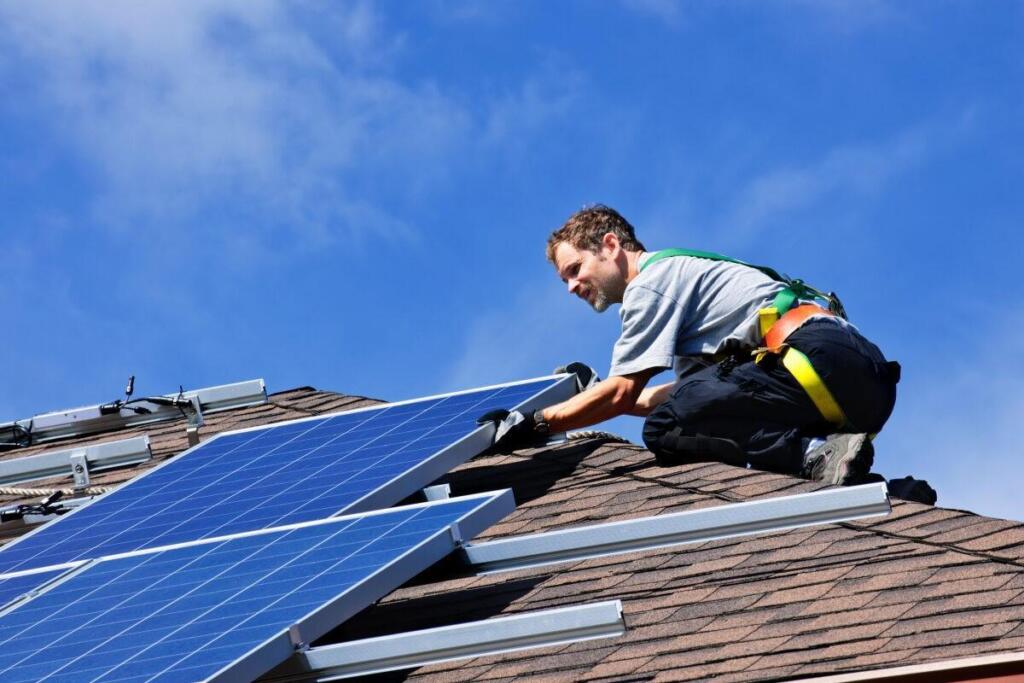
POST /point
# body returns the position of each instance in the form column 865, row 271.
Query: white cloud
column 855, row 171
column 184, row 107
column 543, row 97
column 533, row 331
column 838, row 17
column 668, row 11
column 288, row 119
column 735, row 203
column 958, row 420
column 851, row 16
column 839, row 181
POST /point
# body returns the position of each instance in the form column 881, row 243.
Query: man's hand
column 513, row 429
column 586, row 376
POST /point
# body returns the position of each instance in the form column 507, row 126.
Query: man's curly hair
column 586, row 228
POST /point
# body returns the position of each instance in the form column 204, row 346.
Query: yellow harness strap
column 800, row 367
column 774, row 331
column 766, row 318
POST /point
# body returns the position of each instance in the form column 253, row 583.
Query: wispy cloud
column 541, row 100
column 850, row 16
column 844, row 175
column 179, row 106
column 529, row 334
column 837, row 17
column 197, row 118
column 957, row 422
column 668, row 11
column 853, row 171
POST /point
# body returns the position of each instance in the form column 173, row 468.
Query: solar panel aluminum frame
column 411, row 480
column 416, row 478
column 8, row 605
column 494, row 506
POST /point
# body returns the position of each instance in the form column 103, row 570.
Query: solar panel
column 222, row 609
column 284, row 473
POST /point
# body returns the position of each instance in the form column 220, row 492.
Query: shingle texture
column 920, row 585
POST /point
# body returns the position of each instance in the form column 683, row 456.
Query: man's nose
column 573, row 284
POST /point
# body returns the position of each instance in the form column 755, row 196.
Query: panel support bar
column 471, row 639
column 691, row 526
column 76, row 461
column 100, row 418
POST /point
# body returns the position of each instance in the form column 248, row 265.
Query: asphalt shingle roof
column 920, row 585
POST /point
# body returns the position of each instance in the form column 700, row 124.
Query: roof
column 921, row 585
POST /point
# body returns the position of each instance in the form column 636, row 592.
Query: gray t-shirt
column 682, row 306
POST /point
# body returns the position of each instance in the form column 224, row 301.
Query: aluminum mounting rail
column 691, row 526
column 93, row 419
column 471, row 639
column 63, row 463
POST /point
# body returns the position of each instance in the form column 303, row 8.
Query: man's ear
column 610, row 244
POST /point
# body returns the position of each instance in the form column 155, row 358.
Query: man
column 733, row 400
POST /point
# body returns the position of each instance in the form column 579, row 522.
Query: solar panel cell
column 282, row 474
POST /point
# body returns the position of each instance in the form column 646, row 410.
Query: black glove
column 586, row 376
column 513, row 429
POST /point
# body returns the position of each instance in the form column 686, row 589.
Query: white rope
column 90, row 491
column 595, row 434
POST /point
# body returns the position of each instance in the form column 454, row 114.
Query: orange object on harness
column 790, row 322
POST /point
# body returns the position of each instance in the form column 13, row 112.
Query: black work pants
column 757, row 414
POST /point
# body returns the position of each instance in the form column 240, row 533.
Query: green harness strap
column 784, row 300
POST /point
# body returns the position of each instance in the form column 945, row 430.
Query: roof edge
column 968, row 668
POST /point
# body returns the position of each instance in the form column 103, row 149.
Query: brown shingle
column 956, row 635
column 961, row 619
column 616, row 668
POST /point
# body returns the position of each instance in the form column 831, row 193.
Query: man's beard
column 601, row 301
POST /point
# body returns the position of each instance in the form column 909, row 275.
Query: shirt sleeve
column 651, row 323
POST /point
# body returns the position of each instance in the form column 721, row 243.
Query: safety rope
column 90, row 491
column 595, row 434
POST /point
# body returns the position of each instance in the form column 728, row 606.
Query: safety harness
column 780, row 320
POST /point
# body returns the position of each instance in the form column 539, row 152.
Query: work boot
column 843, row 460
column 915, row 490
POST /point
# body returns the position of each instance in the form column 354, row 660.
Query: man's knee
column 679, row 446
column 676, row 431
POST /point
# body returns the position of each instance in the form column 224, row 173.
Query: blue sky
column 356, row 195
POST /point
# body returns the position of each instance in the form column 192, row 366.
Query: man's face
column 593, row 277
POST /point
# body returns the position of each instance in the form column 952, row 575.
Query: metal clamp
column 195, row 421
column 80, row 468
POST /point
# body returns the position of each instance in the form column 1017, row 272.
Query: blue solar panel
column 281, row 474
column 12, row 587
column 221, row 609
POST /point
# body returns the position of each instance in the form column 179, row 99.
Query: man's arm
column 614, row 396
column 650, row 398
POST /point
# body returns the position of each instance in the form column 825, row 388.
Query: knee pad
column 673, row 447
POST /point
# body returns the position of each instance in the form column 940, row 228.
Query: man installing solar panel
column 769, row 373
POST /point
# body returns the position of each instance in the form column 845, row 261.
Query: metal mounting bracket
column 195, row 421
column 557, row 439
column 295, row 636
column 80, row 468
column 437, row 492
